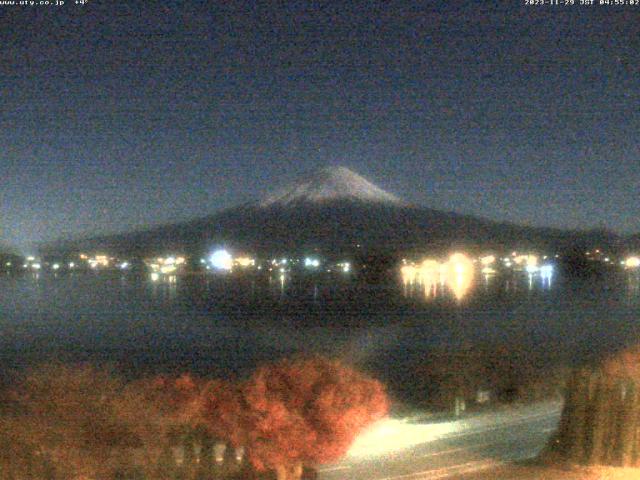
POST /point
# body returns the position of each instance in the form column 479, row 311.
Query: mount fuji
column 330, row 184
column 332, row 209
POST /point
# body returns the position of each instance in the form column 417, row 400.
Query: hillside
column 333, row 209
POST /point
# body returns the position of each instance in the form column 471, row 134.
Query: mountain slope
column 330, row 184
column 332, row 210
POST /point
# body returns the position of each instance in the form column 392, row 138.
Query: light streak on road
column 401, row 450
column 389, row 436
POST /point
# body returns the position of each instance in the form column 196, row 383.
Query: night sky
column 118, row 115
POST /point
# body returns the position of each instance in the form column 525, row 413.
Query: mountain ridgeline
column 332, row 210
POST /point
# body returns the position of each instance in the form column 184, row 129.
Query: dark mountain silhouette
column 333, row 209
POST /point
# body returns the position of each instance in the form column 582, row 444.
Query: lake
column 225, row 326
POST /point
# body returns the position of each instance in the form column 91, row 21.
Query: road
column 401, row 450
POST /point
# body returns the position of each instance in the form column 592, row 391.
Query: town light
column 245, row 261
column 488, row 260
column 311, row 262
column 546, row 271
column 408, row 273
column 221, row 259
column 632, row 262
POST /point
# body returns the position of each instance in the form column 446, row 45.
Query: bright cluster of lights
column 99, row 261
column 526, row 261
column 162, row 265
column 632, row 262
column 456, row 274
column 221, row 260
column 311, row 262
column 345, row 266
column 487, row 260
column 244, row 262
column 546, row 271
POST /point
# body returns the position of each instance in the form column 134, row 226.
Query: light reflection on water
column 238, row 320
column 435, row 279
column 459, row 278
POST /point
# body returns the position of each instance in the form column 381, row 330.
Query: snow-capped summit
column 330, row 183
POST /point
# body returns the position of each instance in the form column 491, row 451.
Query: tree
column 164, row 413
column 600, row 422
column 69, row 417
column 296, row 412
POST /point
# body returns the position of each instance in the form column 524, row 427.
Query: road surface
column 401, row 450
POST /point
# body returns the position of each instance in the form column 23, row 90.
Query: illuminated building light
column 72, row 265
column 155, row 276
column 408, row 273
column 632, row 262
column 8, row 264
column 55, row 266
column 429, row 273
column 102, row 260
column 488, row 260
column 36, row 266
column 460, row 274
column 531, row 269
column 245, row 261
column 311, row 262
column 546, row 271
column 488, row 271
column 166, row 269
column 346, row 267
column 123, row 265
column 221, row 259
column 30, row 259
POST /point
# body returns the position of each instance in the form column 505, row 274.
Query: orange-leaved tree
column 305, row 411
column 164, row 412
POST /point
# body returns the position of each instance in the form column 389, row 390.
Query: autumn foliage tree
column 600, row 422
column 68, row 418
column 78, row 421
column 295, row 412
